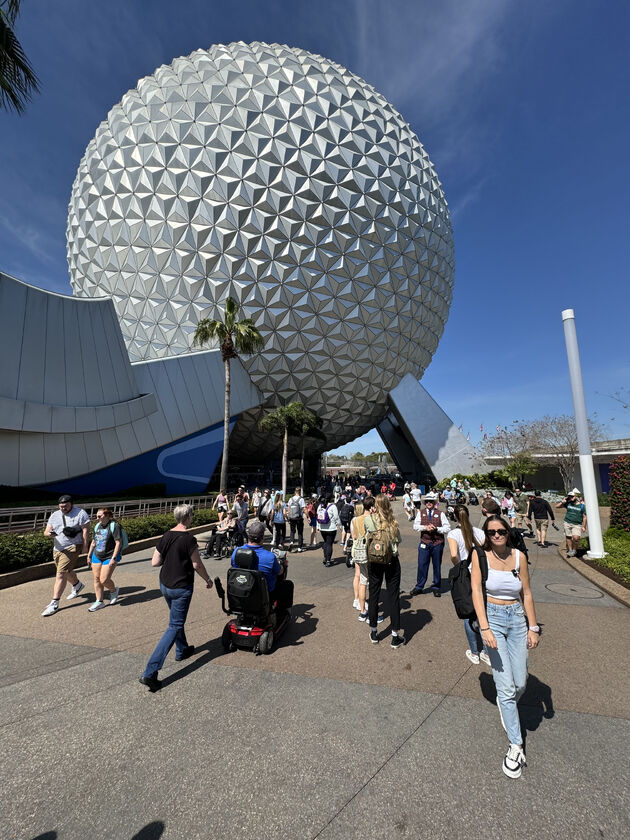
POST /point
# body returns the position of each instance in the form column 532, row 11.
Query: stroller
column 258, row 620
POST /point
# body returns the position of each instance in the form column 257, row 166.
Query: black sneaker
column 436, row 593
column 397, row 642
column 415, row 591
column 152, row 683
column 374, row 637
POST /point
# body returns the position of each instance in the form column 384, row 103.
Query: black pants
column 391, row 572
column 279, row 533
column 215, row 543
column 329, row 538
column 297, row 525
column 283, row 594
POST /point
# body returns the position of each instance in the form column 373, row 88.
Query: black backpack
column 516, row 538
column 461, row 588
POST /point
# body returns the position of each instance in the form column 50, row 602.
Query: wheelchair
column 230, row 541
column 258, row 620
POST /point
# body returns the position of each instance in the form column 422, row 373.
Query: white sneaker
column 356, row 604
column 513, row 762
column 76, row 589
column 474, row 658
column 501, row 715
column 51, row 609
column 485, row 658
column 113, row 596
column 97, row 605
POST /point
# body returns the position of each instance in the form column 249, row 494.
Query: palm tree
column 18, row 81
column 235, row 337
column 293, row 417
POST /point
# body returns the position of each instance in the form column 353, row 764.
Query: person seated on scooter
column 223, row 531
column 275, row 572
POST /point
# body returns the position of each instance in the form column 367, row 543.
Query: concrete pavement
column 328, row 737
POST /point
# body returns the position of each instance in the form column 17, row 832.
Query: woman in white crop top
column 504, row 628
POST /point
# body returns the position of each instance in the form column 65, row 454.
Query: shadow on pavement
column 535, row 704
column 137, row 595
column 212, row 650
column 47, row 835
column 412, row 621
column 303, row 624
column 151, row 831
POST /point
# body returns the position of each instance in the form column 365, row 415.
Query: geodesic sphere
column 276, row 177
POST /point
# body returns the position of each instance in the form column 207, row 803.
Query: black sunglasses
column 496, row 532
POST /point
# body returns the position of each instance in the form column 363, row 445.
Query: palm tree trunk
column 302, row 466
column 285, row 461
column 226, row 428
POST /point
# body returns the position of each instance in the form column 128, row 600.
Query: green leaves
column 18, row 81
column 620, row 493
column 234, row 337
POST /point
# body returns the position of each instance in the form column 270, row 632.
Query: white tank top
column 505, row 586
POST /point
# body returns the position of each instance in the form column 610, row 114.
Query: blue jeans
column 178, row 601
column 509, row 662
column 475, row 642
column 431, row 552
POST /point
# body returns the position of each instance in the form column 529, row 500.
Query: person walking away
column 265, row 508
column 296, row 507
column 508, row 628
column 68, row 526
column 104, row 554
column 359, row 555
column 327, row 523
column 278, row 521
column 432, row 525
column 346, row 513
column 177, row 555
column 461, row 541
column 521, row 504
column 311, row 512
column 381, row 521
column 408, row 506
column 541, row 510
column 574, row 520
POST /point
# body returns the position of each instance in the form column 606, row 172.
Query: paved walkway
column 329, row 737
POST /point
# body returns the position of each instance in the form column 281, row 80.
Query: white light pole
column 584, row 444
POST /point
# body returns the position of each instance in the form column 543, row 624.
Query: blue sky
column 522, row 106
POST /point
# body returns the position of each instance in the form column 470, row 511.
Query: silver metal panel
column 113, row 453
column 85, row 418
column 77, row 455
column 63, row 419
column 53, row 358
column 94, row 450
column 431, row 430
column 55, row 458
column 31, row 386
column 9, row 458
column 73, row 356
column 105, row 417
column 12, row 413
column 12, row 314
column 31, row 458
column 38, row 417
column 345, row 263
column 128, row 441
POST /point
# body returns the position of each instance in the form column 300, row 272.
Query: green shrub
column 620, row 493
column 17, row 550
column 603, row 499
column 617, row 545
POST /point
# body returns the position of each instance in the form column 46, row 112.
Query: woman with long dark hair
column 381, row 518
column 461, row 541
column 507, row 623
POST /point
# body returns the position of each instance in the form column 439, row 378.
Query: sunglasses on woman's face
column 497, row 532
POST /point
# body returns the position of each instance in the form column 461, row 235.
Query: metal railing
column 18, row 520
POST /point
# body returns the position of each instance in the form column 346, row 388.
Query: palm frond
column 207, row 331
column 18, row 81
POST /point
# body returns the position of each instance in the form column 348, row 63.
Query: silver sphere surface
column 279, row 178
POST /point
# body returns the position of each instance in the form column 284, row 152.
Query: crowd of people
column 504, row 627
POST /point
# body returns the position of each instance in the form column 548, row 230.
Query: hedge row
column 17, row 550
column 620, row 493
column 617, row 546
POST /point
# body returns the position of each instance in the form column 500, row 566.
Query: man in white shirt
column 69, row 527
column 295, row 507
column 433, row 526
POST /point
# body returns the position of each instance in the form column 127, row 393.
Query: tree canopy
column 18, row 81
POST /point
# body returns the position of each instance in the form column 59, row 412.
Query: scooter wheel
column 266, row 642
column 226, row 640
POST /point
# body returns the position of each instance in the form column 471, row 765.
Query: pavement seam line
column 392, row 755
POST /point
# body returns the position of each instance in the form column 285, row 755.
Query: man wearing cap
column 574, row 520
column 275, row 572
column 432, row 525
column 69, row 527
